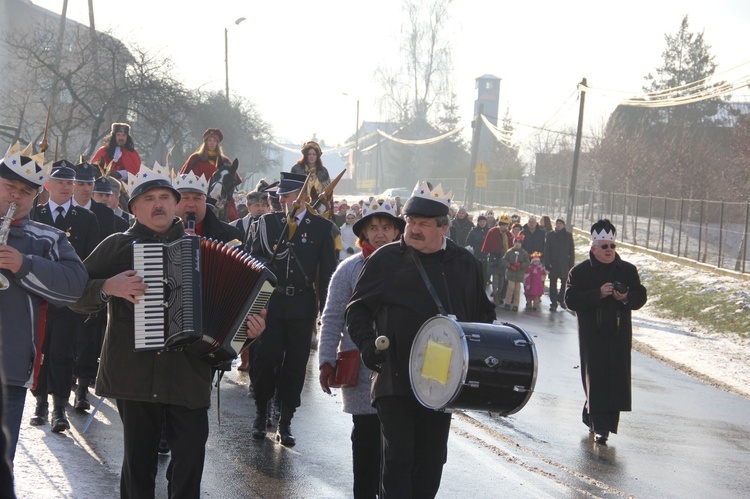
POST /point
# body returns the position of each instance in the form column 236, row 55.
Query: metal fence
column 711, row 232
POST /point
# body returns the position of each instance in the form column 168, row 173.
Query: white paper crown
column 380, row 207
column 34, row 171
column 146, row 174
column 422, row 190
column 191, row 182
column 604, row 235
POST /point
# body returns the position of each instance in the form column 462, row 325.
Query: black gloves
column 372, row 359
column 350, row 250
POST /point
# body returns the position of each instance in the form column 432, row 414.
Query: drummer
column 393, row 294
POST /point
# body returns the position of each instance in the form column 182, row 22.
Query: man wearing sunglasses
column 603, row 290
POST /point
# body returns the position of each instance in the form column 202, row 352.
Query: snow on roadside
column 718, row 359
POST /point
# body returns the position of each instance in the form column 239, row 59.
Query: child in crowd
column 533, row 285
column 516, row 261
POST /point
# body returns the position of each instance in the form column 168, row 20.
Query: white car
column 402, row 192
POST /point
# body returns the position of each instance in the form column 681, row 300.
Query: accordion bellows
column 200, row 293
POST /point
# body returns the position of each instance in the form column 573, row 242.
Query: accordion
column 200, row 292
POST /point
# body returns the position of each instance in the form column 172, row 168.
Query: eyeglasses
column 607, row 246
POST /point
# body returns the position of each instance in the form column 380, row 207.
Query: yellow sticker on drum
column 437, row 362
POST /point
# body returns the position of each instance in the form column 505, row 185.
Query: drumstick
column 381, row 344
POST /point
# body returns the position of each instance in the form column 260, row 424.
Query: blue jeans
column 15, row 397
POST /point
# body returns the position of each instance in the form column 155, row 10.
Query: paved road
column 684, row 439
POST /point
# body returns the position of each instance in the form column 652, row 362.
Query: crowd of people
column 346, row 272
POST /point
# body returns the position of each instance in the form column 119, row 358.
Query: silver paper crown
column 146, row 174
column 604, row 235
column 422, row 190
column 189, row 181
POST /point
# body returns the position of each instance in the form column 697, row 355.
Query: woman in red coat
column 206, row 160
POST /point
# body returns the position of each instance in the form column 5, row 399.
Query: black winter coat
column 604, row 330
column 559, row 252
column 392, row 295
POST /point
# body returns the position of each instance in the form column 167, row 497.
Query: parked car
column 402, row 192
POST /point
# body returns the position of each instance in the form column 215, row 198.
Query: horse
column 221, row 188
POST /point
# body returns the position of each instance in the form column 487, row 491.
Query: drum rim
column 535, row 363
column 465, row 363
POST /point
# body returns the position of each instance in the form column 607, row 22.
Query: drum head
column 438, row 362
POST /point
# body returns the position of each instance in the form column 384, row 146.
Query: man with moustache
column 603, row 291
column 64, row 327
column 392, row 299
column 153, row 388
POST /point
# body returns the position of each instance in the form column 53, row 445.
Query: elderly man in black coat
column 392, row 298
column 602, row 291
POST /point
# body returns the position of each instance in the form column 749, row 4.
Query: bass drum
column 475, row 366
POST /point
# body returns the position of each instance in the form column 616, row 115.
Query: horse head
column 222, row 185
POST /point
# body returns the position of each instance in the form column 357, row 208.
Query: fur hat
column 311, row 144
column 213, row 132
column 120, row 127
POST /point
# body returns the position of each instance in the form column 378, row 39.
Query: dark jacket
column 604, row 330
column 80, row 225
column 168, row 377
column 533, row 241
column 307, row 268
column 559, row 252
column 392, row 294
column 213, row 228
column 460, row 228
column 475, row 239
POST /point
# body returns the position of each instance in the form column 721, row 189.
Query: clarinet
column 4, row 233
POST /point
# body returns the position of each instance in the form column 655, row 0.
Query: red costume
column 130, row 160
column 493, row 242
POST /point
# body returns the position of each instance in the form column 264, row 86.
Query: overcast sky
column 296, row 59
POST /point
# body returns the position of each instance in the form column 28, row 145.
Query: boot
column 259, row 425
column 59, row 420
column 82, row 392
column 163, row 446
column 284, row 432
column 41, row 413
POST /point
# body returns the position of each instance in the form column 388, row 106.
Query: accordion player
column 200, row 292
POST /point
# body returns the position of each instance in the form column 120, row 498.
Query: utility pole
column 94, row 39
column 476, row 124
column 576, row 157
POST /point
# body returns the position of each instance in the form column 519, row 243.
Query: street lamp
column 226, row 54
column 355, row 171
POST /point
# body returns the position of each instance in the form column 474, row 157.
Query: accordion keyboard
column 258, row 304
column 148, row 262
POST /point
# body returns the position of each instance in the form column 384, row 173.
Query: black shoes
column 259, row 425
column 553, row 307
column 163, row 446
column 59, row 421
column 82, row 392
column 601, row 438
column 41, row 413
column 284, row 435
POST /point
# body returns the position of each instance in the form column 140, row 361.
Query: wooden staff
column 43, row 146
column 291, row 223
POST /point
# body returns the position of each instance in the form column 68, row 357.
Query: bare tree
column 427, row 65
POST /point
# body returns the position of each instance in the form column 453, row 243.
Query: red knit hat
column 213, row 132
